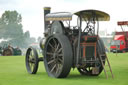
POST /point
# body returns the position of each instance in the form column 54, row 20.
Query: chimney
column 46, row 11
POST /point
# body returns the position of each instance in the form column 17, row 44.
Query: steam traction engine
column 67, row 46
column 8, row 50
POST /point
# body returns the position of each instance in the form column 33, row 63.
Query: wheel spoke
column 57, row 47
column 51, row 61
column 49, row 53
column 89, row 69
column 86, row 70
column 53, row 68
column 61, row 60
column 32, row 66
column 54, row 42
column 57, row 68
column 31, row 54
column 60, row 54
column 29, row 60
column 59, row 50
column 51, row 45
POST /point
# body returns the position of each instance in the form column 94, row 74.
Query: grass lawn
column 13, row 72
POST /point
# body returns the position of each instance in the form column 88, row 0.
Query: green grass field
column 13, row 72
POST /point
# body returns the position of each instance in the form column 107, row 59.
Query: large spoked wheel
column 88, row 70
column 8, row 52
column 31, row 60
column 58, row 56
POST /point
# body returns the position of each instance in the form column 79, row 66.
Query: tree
column 2, row 29
column 11, row 29
column 27, row 34
column 11, row 17
column 10, row 25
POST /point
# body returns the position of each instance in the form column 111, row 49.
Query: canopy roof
column 85, row 14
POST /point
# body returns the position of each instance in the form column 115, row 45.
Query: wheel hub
column 32, row 60
column 55, row 56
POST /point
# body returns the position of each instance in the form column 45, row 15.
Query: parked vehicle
column 120, row 41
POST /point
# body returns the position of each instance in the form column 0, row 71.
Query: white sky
column 32, row 11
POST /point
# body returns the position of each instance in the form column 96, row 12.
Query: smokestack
column 46, row 11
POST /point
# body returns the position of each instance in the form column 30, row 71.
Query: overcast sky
column 32, row 11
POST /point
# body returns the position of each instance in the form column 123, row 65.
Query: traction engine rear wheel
column 31, row 60
column 58, row 56
column 88, row 70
